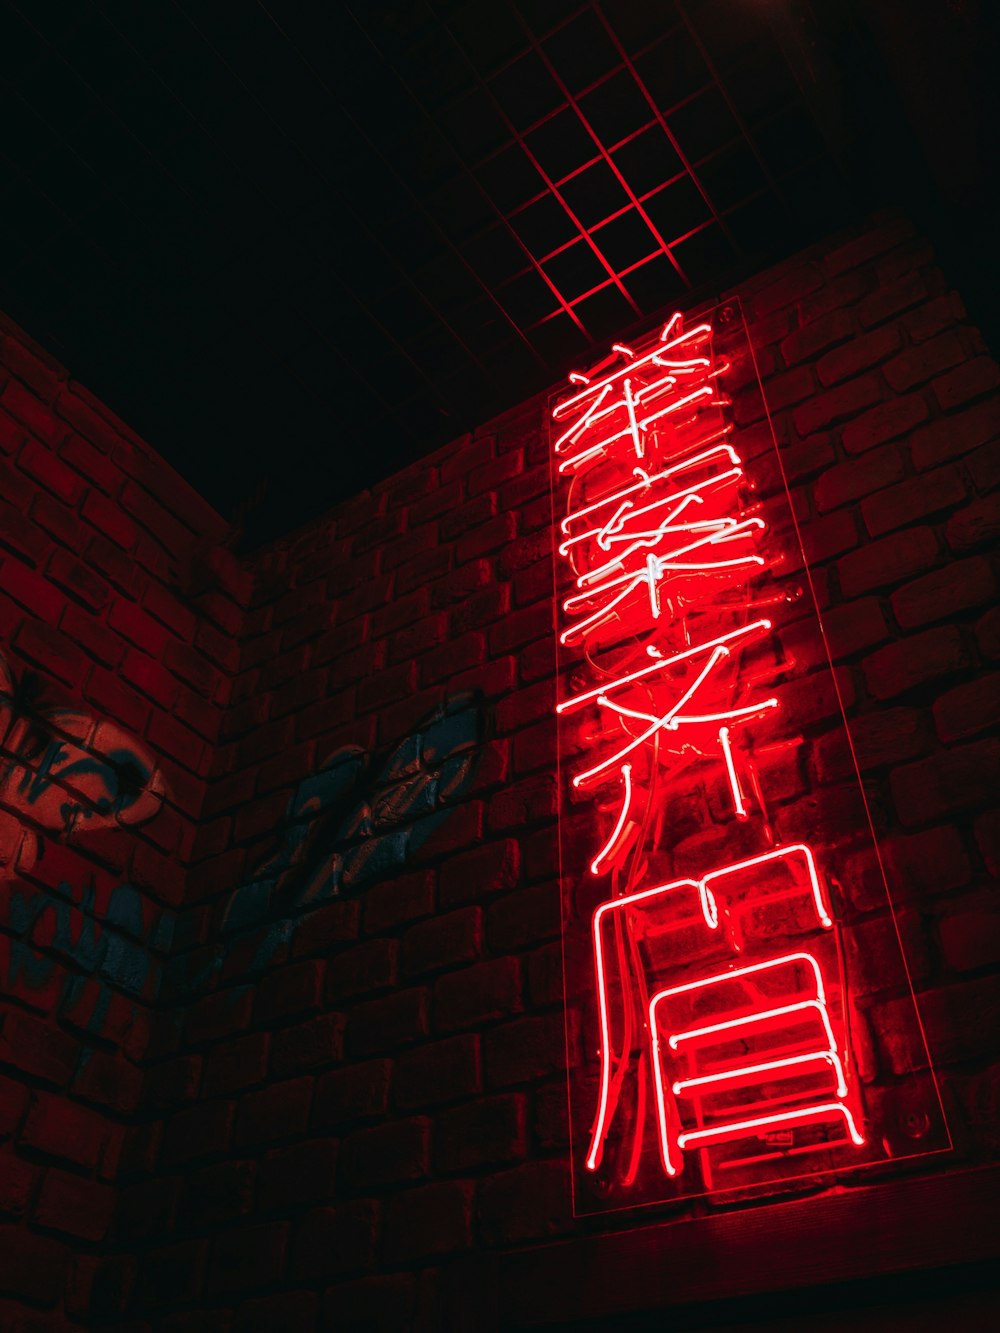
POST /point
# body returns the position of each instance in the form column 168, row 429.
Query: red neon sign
column 718, row 1019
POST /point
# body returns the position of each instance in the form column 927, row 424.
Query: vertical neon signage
column 708, row 932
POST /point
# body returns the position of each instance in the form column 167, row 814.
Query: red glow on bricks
column 669, row 555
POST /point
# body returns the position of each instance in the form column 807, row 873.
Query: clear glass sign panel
column 738, row 1005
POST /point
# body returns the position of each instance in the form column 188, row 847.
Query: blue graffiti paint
column 111, row 951
column 354, row 822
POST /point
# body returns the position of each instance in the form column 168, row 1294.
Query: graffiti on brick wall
column 715, row 961
column 65, row 774
column 361, row 818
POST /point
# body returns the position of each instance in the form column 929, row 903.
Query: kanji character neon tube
column 662, row 539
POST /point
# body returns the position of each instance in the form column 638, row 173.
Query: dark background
column 298, row 245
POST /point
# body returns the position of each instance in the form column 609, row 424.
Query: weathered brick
column 367, row 967
column 388, row 1154
column 802, row 280
column 950, row 781
column 92, row 464
column 302, row 1173
column 850, row 481
column 931, row 861
column 444, row 1071
column 792, row 387
column 356, row 1092
column 157, row 520
column 921, row 363
column 461, row 583
column 798, row 460
column 279, row 1111
column 971, row 939
column 22, row 404
column 520, row 804
column 236, row 1064
column 916, row 498
column 43, row 466
column 116, row 565
column 77, row 1206
column 466, row 455
column 431, row 1220
column 978, row 524
column 442, row 499
column 971, row 380
column 92, row 636
column 443, row 941
column 833, row 815
column 962, row 1020
column 486, row 538
column 881, row 563
column 857, row 354
column 284, row 1309
column 14, row 1098
column 910, row 662
column 481, row 611
column 886, row 737
column 891, row 298
column 33, row 591
column 524, row 918
column 329, row 1243
column 551, row 1116
column 488, row 1132
column 247, row 1257
column 968, row 708
column 988, row 840
column 844, row 290
column 983, row 466
column 399, row 901
column 953, row 436
column 815, row 337
column 854, row 626
column 930, row 319
column 534, row 747
column 459, row 653
column 291, row 990
column 528, row 1203
column 31, row 1266
column 172, row 737
column 110, row 520
column 386, row 686
column 64, row 1129
column 886, row 422
column 20, row 535
column 477, row 994
column 204, row 1130
column 169, row 1273
column 308, row 1046
column 51, row 651
column 528, row 1048
column 837, row 404
column 488, row 476
column 478, row 873
column 396, row 1020
column 399, row 612
column 521, row 627
column 220, row 1193
column 956, row 587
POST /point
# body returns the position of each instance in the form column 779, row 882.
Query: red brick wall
column 369, row 1087
column 117, row 614
column 354, row 1105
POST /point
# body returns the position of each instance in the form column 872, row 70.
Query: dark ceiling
column 299, row 244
